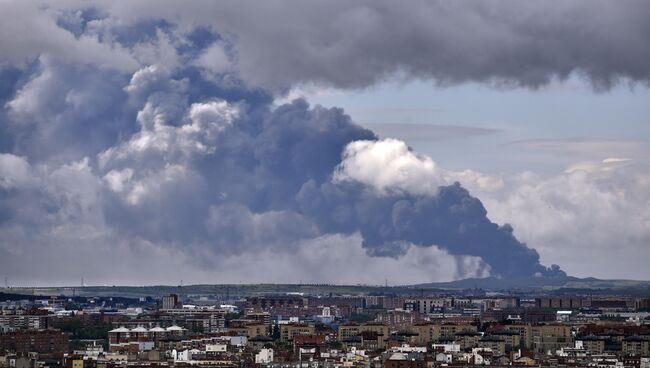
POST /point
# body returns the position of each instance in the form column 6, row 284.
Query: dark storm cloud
column 357, row 44
column 67, row 110
column 145, row 123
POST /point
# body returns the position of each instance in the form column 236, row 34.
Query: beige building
column 250, row 330
column 494, row 343
column 593, row 344
column 427, row 332
column 288, row 331
column 541, row 333
column 636, row 346
column 512, row 339
column 525, row 334
column 351, row 330
column 468, row 339
column 433, row 332
column 449, row 330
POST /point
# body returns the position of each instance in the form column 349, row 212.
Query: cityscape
column 324, row 184
column 324, row 326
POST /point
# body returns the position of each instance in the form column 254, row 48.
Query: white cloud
column 593, row 222
column 118, row 180
column 615, row 160
column 161, row 140
column 153, row 184
column 15, row 172
column 148, row 79
column 389, row 165
column 213, row 116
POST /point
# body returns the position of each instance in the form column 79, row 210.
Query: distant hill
column 558, row 285
column 4, row 297
column 549, row 283
column 496, row 283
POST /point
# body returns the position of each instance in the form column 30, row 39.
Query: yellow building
column 551, row 331
column 382, row 331
column 257, row 329
column 449, row 331
column 433, row 332
column 348, row 330
column 527, row 361
column 494, row 343
column 249, row 328
column 636, row 346
column 551, row 337
column 427, row 332
column 525, row 334
column 593, row 344
column 351, row 330
column 540, row 333
column 78, row 363
column 288, row 331
column 468, row 339
column 512, row 339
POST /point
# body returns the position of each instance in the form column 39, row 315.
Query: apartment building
column 288, row 331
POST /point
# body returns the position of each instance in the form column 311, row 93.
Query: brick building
column 53, row 343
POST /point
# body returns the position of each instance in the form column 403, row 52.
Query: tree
column 276, row 332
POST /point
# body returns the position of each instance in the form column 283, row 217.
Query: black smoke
column 452, row 219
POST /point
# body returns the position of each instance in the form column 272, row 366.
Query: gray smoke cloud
column 153, row 124
column 347, row 45
column 353, row 45
column 274, row 188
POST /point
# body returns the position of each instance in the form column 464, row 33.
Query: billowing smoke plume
column 150, row 125
column 222, row 177
column 232, row 180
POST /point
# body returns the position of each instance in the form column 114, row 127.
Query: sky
column 148, row 142
column 505, row 126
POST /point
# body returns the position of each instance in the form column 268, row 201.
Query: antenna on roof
column 6, row 282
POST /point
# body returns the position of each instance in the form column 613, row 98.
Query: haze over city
column 149, row 142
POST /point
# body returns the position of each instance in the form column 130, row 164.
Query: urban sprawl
column 455, row 329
